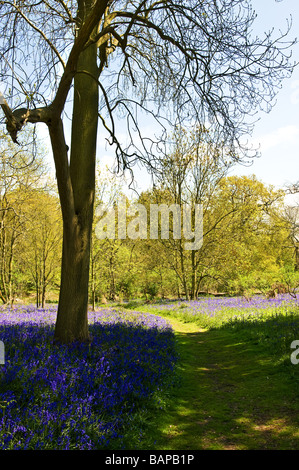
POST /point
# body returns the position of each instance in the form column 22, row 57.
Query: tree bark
column 184, row 278
column 72, row 322
column 296, row 258
column 193, row 276
column 72, row 316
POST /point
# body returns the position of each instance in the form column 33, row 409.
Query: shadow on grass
column 238, row 390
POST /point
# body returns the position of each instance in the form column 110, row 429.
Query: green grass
column 237, row 388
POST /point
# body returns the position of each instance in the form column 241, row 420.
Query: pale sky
column 278, row 132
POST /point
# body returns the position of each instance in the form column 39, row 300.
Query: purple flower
column 57, row 397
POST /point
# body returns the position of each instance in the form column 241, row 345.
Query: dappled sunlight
column 273, row 433
column 232, row 396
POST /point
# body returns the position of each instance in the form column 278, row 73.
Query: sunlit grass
column 239, row 388
column 274, row 323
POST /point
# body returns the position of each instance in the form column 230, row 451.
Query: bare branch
column 17, row 119
column 32, row 25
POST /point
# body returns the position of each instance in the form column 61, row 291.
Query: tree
column 192, row 172
column 42, row 242
column 20, row 175
column 170, row 62
column 251, row 247
column 291, row 217
column 104, row 252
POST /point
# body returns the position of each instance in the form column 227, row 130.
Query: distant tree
column 42, row 244
column 251, row 243
column 21, row 172
column 170, row 62
column 104, row 258
column 291, row 217
column 192, row 172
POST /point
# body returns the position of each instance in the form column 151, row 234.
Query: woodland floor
column 231, row 396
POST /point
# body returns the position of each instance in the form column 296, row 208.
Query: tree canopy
column 168, row 62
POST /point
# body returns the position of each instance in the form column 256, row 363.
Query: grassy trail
column 232, row 396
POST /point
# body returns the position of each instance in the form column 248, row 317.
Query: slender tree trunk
column 3, row 267
column 93, row 300
column 185, row 283
column 77, row 197
column 297, row 258
column 37, row 293
column 112, row 278
column 10, row 267
column 93, row 293
column 194, row 275
column 43, row 276
column 36, row 280
column 44, row 287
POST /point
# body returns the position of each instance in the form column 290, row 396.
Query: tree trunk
column 184, row 279
column 77, row 197
column 44, row 282
column 193, row 275
column 43, row 301
column 296, row 258
column 72, row 321
column 92, row 276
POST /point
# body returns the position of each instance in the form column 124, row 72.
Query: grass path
column 232, row 396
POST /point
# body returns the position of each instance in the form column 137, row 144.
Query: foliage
column 247, row 246
column 245, row 241
column 29, row 229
